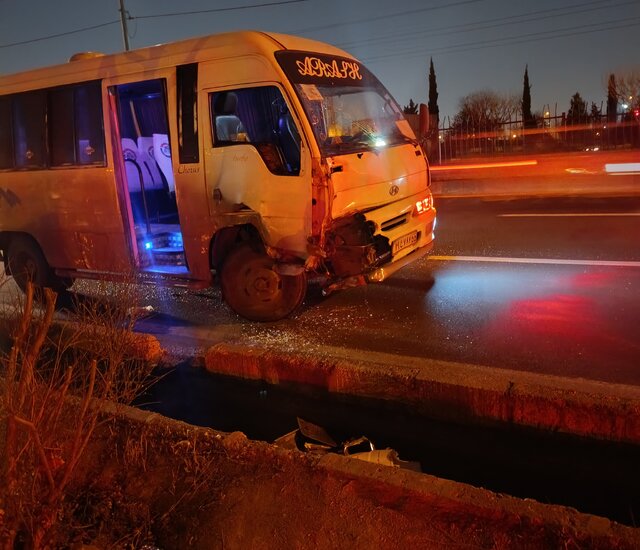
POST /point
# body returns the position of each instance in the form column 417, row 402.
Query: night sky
column 569, row 45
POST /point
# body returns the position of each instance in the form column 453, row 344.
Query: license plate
column 404, row 242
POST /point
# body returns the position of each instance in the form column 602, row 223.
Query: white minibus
column 250, row 159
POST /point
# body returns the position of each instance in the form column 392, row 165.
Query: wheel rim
column 261, row 283
column 254, row 290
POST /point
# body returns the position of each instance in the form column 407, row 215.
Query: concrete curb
column 448, row 391
column 139, row 345
column 404, row 508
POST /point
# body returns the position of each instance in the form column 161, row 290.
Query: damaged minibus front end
column 372, row 206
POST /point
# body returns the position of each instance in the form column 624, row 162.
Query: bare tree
column 623, row 89
column 486, row 110
column 628, row 88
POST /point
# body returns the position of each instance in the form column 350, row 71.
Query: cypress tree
column 433, row 93
column 612, row 99
column 577, row 113
column 527, row 117
column 411, row 109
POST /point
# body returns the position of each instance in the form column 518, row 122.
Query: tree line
column 488, row 109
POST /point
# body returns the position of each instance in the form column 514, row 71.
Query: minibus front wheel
column 27, row 263
column 255, row 290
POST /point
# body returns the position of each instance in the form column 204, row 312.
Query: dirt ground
column 146, row 481
column 151, row 481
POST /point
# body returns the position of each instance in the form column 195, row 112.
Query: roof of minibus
column 193, row 50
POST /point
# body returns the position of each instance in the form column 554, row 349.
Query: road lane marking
column 550, row 261
column 623, row 168
column 571, row 215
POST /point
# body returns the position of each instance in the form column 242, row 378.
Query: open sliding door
column 142, row 154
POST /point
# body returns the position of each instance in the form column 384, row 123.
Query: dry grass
column 55, row 381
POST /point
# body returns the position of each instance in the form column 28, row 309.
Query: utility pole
column 125, row 30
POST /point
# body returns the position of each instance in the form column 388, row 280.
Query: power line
column 510, row 40
column 385, row 17
column 625, row 23
column 84, row 29
column 489, row 23
column 215, row 10
column 129, row 17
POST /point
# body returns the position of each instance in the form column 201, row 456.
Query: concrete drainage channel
column 555, row 465
column 592, row 476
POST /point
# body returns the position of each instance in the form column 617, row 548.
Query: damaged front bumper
column 378, row 274
column 371, row 246
column 381, row 273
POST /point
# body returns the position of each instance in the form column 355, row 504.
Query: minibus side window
column 261, row 117
column 57, row 127
column 61, row 127
column 29, row 115
column 6, row 138
column 76, row 135
column 89, row 131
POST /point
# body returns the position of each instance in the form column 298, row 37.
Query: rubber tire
column 252, row 288
column 27, row 263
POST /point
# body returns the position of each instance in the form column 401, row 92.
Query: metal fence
column 549, row 134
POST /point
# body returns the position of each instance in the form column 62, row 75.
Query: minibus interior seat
column 162, row 155
column 157, row 205
column 228, row 125
column 132, row 167
column 289, row 141
column 147, row 161
column 135, row 178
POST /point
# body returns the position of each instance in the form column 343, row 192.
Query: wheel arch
column 8, row 237
column 229, row 237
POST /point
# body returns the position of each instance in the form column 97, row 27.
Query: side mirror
column 423, row 127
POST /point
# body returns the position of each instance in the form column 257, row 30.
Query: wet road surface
column 574, row 311
column 543, row 285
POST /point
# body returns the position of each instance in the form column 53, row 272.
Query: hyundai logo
column 394, row 190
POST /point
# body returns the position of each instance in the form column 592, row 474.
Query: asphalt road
column 543, row 285
column 574, row 311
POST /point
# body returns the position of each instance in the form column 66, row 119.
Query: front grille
column 388, row 225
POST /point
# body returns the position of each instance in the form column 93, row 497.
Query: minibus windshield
column 349, row 110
